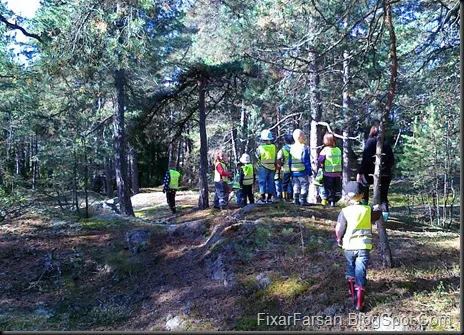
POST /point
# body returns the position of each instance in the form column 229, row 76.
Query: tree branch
column 15, row 26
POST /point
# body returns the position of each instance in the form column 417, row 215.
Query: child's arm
column 222, row 172
column 376, row 214
column 167, row 180
column 340, row 228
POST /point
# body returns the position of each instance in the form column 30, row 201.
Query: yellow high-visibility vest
column 296, row 153
column 174, row 177
column 248, row 174
column 358, row 233
column 333, row 160
column 217, row 176
column 268, row 156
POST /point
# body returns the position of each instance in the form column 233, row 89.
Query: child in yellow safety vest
column 354, row 234
column 171, row 185
column 266, row 153
column 330, row 159
column 246, row 180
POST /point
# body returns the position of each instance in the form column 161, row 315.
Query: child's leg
column 217, row 190
column 271, row 189
column 249, row 192
column 361, row 267
column 262, row 180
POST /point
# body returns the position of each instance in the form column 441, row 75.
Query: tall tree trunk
column 386, row 253
column 346, row 175
column 133, row 170
column 203, row 201
column 122, row 180
column 108, row 179
column 75, row 197
column 242, row 137
column 315, row 138
column 86, row 179
column 35, row 163
column 235, row 153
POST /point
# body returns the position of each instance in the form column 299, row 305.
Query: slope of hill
column 272, row 267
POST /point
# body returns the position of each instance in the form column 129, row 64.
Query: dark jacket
column 368, row 158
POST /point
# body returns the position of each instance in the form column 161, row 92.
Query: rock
column 174, row 323
column 263, row 280
column 138, row 240
column 218, row 269
column 191, row 229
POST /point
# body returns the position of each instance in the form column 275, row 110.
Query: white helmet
column 245, row 159
column 266, row 135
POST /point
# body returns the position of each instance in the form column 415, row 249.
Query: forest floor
column 273, row 267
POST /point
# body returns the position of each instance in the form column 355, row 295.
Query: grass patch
column 286, row 288
column 122, row 265
column 100, row 224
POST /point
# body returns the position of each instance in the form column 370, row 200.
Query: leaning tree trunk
column 122, row 180
column 315, row 138
column 203, row 201
column 383, row 237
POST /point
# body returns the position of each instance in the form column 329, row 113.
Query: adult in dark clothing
column 366, row 171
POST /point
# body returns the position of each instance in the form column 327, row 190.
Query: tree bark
column 122, row 180
column 346, row 175
column 386, row 253
column 108, row 179
column 203, row 201
column 315, row 138
column 133, row 170
column 235, row 153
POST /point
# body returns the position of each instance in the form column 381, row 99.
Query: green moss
column 100, row 224
column 287, row 288
column 123, row 265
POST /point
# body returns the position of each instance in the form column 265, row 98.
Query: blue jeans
column 266, row 181
column 239, row 195
column 300, row 184
column 221, row 196
column 356, row 265
column 322, row 193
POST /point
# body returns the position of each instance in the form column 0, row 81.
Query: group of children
column 283, row 175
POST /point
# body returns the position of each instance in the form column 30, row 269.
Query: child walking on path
column 221, row 179
column 354, row 235
column 171, row 185
column 267, row 156
column 246, row 179
column 330, row 159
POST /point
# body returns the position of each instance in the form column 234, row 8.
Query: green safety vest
column 358, row 235
column 174, row 177
column 296, row 152
column 248, row 174
column 285, row 155
column 268, row 156
column 217, row 176
column 333, row 160
column 236, row 183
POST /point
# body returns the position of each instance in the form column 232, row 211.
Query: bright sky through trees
column 25, row 8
